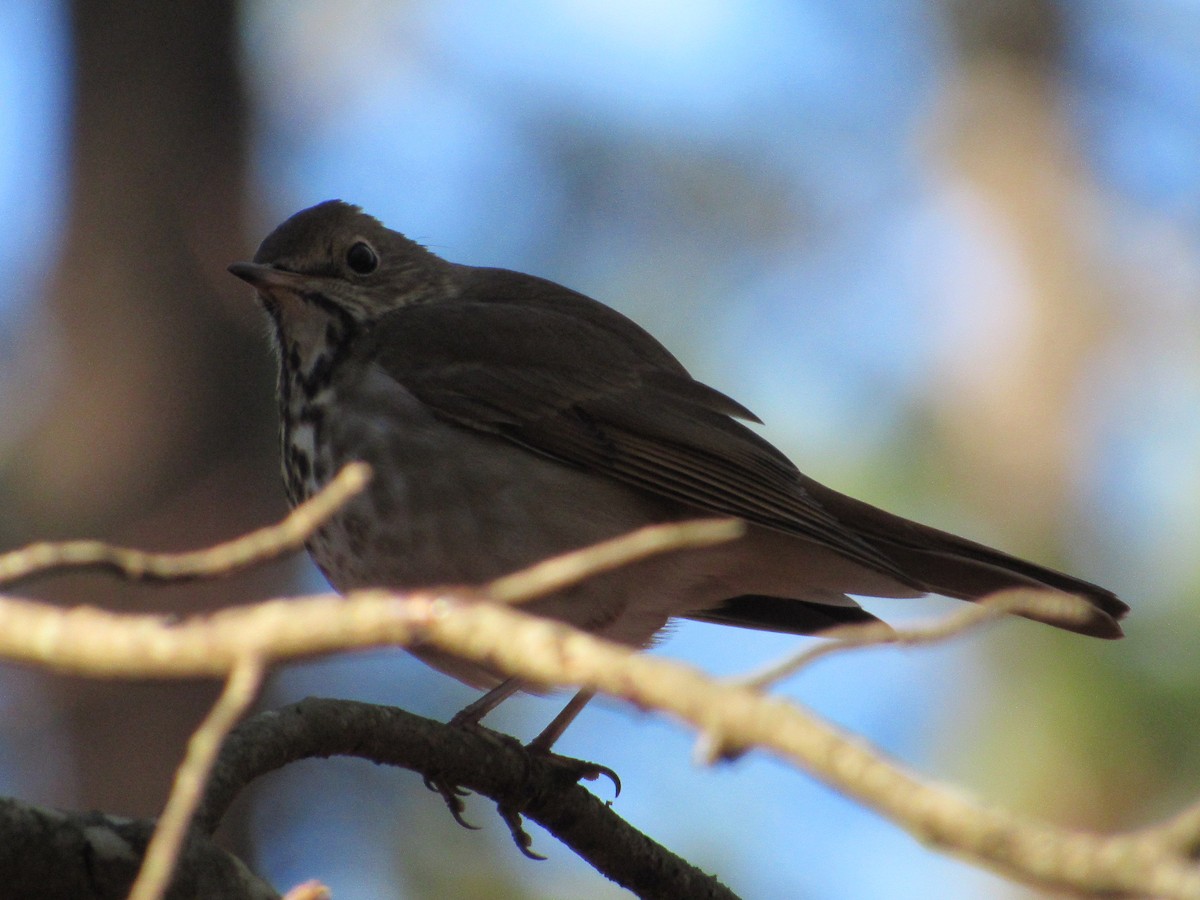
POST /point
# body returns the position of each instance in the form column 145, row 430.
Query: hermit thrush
column 509, row 419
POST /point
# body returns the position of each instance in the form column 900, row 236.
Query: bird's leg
column 578, row 768
column 574, row 769
column 473, row 712
column 470, row 716
column 552, row 732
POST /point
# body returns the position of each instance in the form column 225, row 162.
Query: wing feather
column 581, row 392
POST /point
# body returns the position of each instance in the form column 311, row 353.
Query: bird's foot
column 576, row 770
column 564, row 770
column 568, row 771
column 468, row 719
column 452, row 795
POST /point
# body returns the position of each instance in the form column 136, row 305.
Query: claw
column 573, row 770
column 583, row 770
column 512, row 818
column 452, row 795
column 441, row 787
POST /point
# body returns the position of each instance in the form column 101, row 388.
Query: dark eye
column 362, row 259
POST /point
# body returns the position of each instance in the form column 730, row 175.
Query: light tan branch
column 731, row 716
column 93, row 642
column 562, row 571
column 159, row 862
column 1047, row 604
column 310, row 890
column 1142, row 864
column 257, row 546
column 1155, row 861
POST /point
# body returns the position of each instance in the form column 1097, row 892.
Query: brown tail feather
column 956, row 567
column 971, row 571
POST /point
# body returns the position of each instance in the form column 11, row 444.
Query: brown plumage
column 509, row 418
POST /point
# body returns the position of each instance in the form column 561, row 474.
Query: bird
column 508, row 419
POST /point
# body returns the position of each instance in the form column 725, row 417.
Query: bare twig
column 1156, row 861
column 94, row 642
column 1044, row 603
column 545, row 652
column 310, row 890
column 570, row 568
column 740, row 718
column 1181, row 831
column 159, row 862
column 139, row 565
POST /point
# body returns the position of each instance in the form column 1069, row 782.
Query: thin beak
column 268, row 280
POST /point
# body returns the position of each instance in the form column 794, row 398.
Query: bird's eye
column 362, row 259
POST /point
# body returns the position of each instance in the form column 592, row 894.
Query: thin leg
column 473, row 712
column 552, row 732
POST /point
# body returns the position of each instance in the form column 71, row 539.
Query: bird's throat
column 311, row 349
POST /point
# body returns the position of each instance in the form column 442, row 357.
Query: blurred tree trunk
column 1013, row 432
column 1016, row 434
column 158, row 430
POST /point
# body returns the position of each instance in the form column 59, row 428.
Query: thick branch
column 50, row 854
column 491, row 764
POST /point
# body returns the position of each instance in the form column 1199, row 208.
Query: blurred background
column 948, row 251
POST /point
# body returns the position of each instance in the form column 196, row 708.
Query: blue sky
column 754, row 181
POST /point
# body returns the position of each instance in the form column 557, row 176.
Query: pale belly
column 452, row 506
column 448, row 506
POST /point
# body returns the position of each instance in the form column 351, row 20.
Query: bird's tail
column 946, row 564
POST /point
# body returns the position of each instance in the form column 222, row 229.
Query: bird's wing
column 566, row 379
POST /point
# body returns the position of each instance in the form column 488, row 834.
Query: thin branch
column 730, row 716
column 1043, row 603
column 138, row 565
column 310, row 890
column 739, row 718
column 1181, row 831
column 545, row 652
column 97, row 643
column 563, row 571
column 159, row 862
